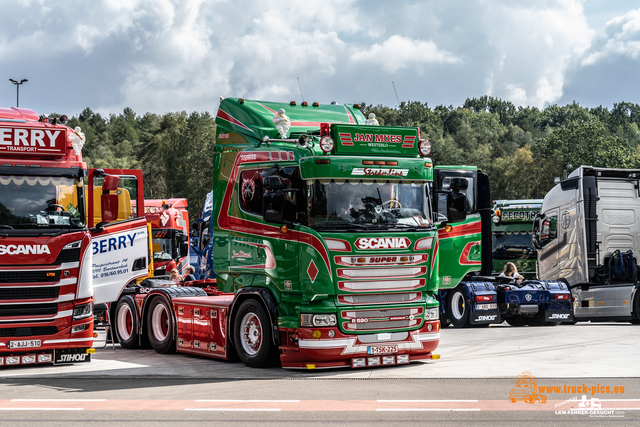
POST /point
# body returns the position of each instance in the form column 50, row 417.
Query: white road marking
column 41, row 409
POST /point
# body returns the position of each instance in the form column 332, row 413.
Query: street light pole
column 18, row 83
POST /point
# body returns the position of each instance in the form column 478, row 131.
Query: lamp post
column 18, row 83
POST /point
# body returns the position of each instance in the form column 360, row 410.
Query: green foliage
column 522, row 149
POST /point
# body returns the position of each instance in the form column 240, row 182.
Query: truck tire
column 539, row 320
column 252, row 335
column 160, row 326
column 126, row 323
column 457, row 308
column 635, row 319
column 515, row 321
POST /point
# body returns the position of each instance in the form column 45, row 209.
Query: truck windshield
column 513, row 245
column 162, row 249
column 368, row 205
column 41, row 202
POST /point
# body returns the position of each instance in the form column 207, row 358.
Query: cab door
column 547, row 244
column 119, row 250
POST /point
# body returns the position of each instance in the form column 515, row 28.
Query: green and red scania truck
column 327, row 245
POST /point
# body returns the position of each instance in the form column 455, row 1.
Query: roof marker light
column 315, row 104
column 292, row 103
column 367, row 162
column 241, row 101
column 324, row 129
column 305, row 104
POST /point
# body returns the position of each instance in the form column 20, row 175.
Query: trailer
column 588, row 237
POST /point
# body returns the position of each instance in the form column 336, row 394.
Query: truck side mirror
column 109, row 207
column 458, row 184
column 184, row 248
column 456, row 207
column 273, row 206
column 272, row 182
column 111, row 183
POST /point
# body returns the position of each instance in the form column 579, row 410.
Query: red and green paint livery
column 336, row 242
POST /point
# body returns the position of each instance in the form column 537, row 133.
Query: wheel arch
column 268, row 302
column 167, row 294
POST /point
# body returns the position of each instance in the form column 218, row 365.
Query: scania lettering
column 588, row 237
column 24, row 249
column 319, row 249
column 49, row 252
column 469, row 294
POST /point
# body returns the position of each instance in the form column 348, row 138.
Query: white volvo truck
column 588, row 235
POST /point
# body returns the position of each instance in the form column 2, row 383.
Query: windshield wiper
column 342, row 225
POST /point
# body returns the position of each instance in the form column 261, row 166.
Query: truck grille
column 368, row 273
column 394, row 324
column 380, row 313
column 29, row 276
column 68, row 255
column 381, row 285
column 28, row 310
column 382, row 319
column 379, row 298
column 28, row 332
column 29, row 293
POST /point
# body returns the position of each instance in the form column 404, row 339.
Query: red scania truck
column 54, row 266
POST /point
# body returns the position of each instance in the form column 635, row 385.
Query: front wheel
column 126, row 323
column 636, row 309
column 252, row 335
column 457, row 309
column 160, row 326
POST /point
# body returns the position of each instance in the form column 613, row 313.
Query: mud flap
column 558, row 316
column 71, row 355
column 480, row 318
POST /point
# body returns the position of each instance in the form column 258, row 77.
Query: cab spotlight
column 327, row 144
column 425, row 147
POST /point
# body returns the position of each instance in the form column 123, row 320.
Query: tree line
column 522, row 149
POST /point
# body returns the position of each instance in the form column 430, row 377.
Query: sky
column 163, row 56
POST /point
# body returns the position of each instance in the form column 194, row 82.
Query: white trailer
column 588, row 235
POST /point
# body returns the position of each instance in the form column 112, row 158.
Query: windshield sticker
column 379, row 172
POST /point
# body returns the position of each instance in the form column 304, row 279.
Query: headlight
column 73, row 245
column 318, row 320
column 432, row 314
column 326, row 143
column 82, row 311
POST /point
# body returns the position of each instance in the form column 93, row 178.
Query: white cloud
column 622, row 38
column 399, row 52
column 173, row 55
column 537, row 42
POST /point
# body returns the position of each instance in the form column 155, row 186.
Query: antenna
column 300, row 89
column 394, row 89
